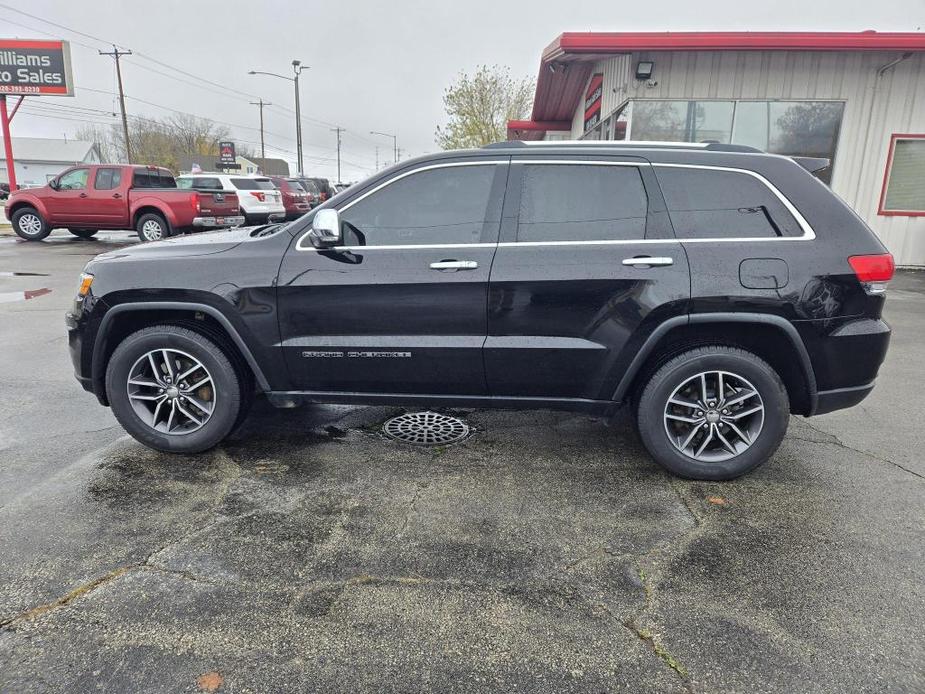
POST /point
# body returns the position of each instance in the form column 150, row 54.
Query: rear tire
column 163, row 410
column 152, row 227
column 84, row 233
column 713, row 413
column 29, row 225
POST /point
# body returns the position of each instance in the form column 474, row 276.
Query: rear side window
column 253, row 184
column 107, row 179
column 152, row 178
column 710, row 204
column 203, row 183
column 438, row 206
column 577, row 202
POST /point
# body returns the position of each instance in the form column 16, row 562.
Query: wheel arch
column 34, row 203
column 123, row 319
column 771, row 337
column 148, row 208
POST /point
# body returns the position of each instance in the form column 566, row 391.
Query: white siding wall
column 874, row 109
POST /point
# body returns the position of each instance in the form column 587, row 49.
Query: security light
column 644, row 69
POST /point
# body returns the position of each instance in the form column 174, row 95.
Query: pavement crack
column 67, row 598
column 659, row 649
column 836, row 441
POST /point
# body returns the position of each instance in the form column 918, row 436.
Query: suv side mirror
column 53, row 184
column 325, row 229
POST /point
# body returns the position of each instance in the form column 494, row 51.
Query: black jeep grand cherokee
column 714, row 289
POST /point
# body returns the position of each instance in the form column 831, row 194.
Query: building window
column 793, row 128
column 903, row 193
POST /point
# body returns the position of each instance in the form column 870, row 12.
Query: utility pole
column 116, row 53
column 261, row 103
column 338, row 130
column 395, row 150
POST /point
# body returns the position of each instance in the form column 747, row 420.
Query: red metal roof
column 573, row 53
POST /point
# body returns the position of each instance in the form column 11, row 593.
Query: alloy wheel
column 171, row 391
column 30, row 224
column 152, row 230
column 714, row 416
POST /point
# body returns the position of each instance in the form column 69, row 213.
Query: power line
column 60, row 26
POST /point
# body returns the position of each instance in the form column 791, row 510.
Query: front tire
column 29, row 225
column 713, row 413
column 174, row 389
column 84, row 233
column 152, row 227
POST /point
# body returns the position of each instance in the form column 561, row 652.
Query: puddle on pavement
column 23, row 274
column 10, row 297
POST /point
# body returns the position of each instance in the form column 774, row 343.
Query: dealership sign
column 226, row 154
column 35, row 67
column 593, row 101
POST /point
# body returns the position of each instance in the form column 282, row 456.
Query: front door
column 585, row 262
column 70, row 204
column 400, row 307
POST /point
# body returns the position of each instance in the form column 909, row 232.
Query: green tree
column 478, row 107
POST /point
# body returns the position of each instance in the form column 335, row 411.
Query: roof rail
column 650, row 144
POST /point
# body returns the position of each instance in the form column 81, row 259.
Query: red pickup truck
column 85, row 199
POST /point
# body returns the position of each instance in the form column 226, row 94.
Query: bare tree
column 99, row 136
column 479, row 107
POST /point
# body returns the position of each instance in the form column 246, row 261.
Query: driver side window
column 74, row 180
column 431, row 207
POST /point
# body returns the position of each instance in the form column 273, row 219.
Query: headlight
column 86, row 279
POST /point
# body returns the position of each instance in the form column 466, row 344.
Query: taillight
column 873, row 271
column 194, row 202
column 259, row 194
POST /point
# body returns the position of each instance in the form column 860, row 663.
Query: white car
column 260, row 200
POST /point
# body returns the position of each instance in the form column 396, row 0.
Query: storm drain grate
column 426, row 428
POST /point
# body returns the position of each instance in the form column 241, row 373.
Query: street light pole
column 339, row 130
column 297, row 68
column 394, row 143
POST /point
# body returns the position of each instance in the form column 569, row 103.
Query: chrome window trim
column 808, row 233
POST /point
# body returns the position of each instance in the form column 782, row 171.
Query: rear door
column 586, row 265
column 400, row 307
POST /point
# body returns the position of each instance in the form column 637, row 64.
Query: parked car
column 325, row 189
column 261, row 201
column 713, row 289
column 87, row 198
column 4, row 191
column 296, row 200
column 312, row 190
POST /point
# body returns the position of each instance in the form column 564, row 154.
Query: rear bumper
column 213, row 223
column 840, row 398
column 846, row 359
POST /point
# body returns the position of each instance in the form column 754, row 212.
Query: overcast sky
column 374, row 65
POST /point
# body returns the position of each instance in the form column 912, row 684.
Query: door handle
column 83, row 195
column 647, row 261
column 116, row 196
column 454, row 265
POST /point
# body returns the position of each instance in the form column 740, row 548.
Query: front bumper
column 217, row 222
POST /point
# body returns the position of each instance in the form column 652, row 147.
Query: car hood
column 207, row 243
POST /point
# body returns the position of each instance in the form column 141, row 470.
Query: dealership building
column 857, row 99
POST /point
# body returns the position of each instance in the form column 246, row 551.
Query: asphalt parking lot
column 546, row 553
